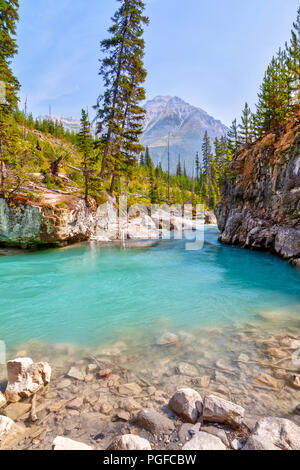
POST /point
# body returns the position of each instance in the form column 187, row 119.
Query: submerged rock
column 25, row 378
column 187, row 369
column 187, row 403
column 17, row 410
column 129, row 442
column 76, row 373
column 274, row 434
column 204, row 441
column 167, row 338
column 218, row 410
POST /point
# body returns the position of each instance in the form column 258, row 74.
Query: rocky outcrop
column 58, row 220
column 260, row 205
column 26, row 224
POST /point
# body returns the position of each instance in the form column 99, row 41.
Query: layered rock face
column 27, row 224
column 260, row 205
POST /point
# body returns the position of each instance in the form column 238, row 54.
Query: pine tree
column 207, row 154
column 123, row 73
column 85, row 146
column 8, row 48
column 293, row 60
column 197, row 167
column 234, row 136
column 179, row 169
column 245, row 127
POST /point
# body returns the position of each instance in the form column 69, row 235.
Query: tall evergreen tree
column 123, row 73
column 234, row 136
column 293, row 51
column 198, row 165
column 245, row 126
column 85, row 146
column 8, row 48
column 206, row 153
column 179, row 169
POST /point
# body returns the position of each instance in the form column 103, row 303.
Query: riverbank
column 97, row 395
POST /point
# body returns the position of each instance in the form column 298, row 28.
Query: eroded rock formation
column 260, row 205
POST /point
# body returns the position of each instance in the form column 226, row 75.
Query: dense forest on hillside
column 115, row 160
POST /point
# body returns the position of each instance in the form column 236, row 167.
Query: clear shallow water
column 90, row 294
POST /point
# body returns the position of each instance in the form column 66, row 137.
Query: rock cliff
column 260, row 204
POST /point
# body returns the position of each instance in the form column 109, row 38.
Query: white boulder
column 274, row 434
column 204, row 441
column 63, row 443
column 129, row 442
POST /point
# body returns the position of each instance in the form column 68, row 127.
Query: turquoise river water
column 90, row 294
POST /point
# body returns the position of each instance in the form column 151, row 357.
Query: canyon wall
column 260, row 203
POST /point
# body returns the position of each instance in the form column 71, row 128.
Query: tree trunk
column 103, row 166
column 112, row 184
column 86, row 196
column 55, row 167
column 2, row 167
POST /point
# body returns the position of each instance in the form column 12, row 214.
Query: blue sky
column 211, row 53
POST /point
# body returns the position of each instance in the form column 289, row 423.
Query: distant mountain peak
column 185, row 123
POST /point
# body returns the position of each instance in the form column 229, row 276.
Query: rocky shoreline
column 106, row 401
column 60, row 219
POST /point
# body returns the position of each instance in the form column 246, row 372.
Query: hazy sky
column 211, row 53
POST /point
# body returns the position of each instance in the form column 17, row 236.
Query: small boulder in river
column 187, row 403
column 167, row 339
column 204, row 441
column 274, row 434
column 187, row 369
column 25, row 378
column 129, row 442
column 77, row 374
column 154, row 422
column 218, row 410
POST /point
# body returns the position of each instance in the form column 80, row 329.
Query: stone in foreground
column 129, row 442
column 204, row 441
column 5, row 426
column 218, row 410
column 154, row 422
column 187, row 403
column 274, row 434
column 63, row 443
column 25, row 378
